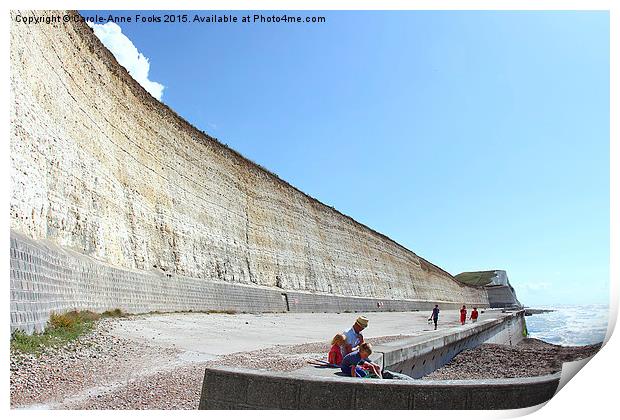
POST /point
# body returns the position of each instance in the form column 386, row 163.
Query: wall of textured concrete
column 46, row 278
column 234, row 389
column 100, row 167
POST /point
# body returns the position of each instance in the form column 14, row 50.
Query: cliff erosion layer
column 102, row 168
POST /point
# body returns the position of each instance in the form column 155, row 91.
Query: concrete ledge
column 323, row 388
column 236, row 388
column 421, row 355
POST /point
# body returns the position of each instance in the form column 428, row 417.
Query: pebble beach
column 101, row 371
column 531, row 357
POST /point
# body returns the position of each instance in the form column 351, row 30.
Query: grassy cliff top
column 476, row 278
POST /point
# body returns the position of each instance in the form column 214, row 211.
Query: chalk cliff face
column 102, row 168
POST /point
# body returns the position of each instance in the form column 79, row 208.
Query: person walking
column 435, row 315
column 474, row 315
column 463, row 315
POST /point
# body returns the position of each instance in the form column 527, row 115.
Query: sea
column 569, row 325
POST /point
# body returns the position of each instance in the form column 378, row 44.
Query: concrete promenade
column 159, row 360
column 206, row 336
column 423, row 351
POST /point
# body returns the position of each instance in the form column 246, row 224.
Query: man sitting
column 353, row 336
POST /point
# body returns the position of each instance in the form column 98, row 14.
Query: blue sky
column 479, row 140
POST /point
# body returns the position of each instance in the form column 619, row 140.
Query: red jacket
column 335, row 355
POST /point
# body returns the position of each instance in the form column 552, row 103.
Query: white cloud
column 128, row 56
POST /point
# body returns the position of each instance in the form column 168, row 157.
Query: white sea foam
column 570, row 325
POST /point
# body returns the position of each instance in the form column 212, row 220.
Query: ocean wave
column 570, row 325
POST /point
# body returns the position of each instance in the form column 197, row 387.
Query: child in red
column 335, row 353
column 474, row 315
column 463, row 315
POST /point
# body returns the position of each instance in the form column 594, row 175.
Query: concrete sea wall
column 420, row 356
column 238, row 389
column 162, row 211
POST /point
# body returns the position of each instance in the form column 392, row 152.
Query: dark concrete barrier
column 234, row 388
